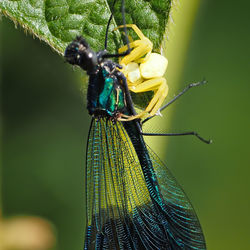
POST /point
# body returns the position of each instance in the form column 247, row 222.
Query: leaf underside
column 58, row 22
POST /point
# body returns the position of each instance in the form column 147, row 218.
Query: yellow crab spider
column 144, row 71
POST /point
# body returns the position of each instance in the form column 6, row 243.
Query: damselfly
column 133, row 201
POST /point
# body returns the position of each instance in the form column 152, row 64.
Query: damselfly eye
column 79, row 53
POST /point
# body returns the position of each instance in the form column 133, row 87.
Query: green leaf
column 58, row 22
column 150, row 16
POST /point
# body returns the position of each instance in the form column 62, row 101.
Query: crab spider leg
column 158, row 99
column 140, row 48
column 133, row 44
column 158, row 85
column 135, row 28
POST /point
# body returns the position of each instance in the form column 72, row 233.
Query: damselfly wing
column 133, row 200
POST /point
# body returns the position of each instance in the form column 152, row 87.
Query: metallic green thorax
column 111, row 99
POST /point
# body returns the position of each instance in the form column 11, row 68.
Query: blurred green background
column 45, row 126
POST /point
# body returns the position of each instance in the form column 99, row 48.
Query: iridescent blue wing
column 182, row 222
column 130, row 206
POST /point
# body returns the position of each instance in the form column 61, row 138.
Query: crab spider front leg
column 139, row 48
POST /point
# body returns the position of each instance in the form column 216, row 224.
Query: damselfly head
column 79, row 53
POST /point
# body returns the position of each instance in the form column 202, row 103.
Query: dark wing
column 123, row 210
column 182, row 220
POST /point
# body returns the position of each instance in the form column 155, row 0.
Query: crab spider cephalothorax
column 144, row 71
